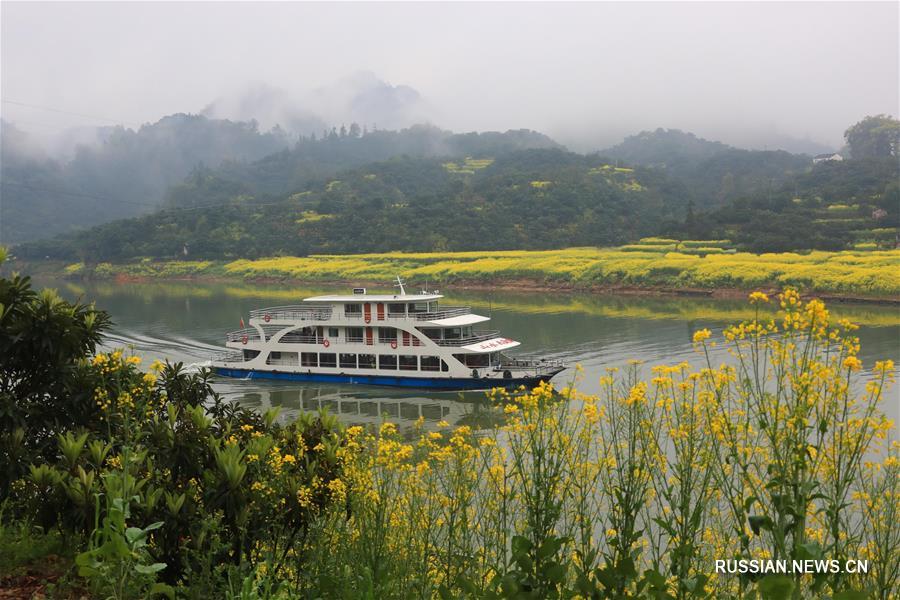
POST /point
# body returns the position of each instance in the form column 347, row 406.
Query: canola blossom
column 641, row 487
column 653, row 262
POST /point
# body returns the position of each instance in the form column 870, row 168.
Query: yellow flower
column 289, row 458
column 702, row 335
column 852, row 363
column 757, row 297
column 133, row 360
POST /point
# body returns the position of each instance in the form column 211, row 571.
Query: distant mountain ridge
column 130, row 172
column 717, row 172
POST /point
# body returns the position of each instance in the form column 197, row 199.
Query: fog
column 790, row 75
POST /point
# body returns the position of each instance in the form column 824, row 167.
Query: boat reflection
column 359, row 405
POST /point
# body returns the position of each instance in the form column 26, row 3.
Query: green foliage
column 874, row 137
column 150, row 474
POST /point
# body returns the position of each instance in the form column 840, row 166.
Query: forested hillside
column 425, row 189
column 134, row 172
column 717, row 173
column 833, row 206
column 528, row 199
column 126, row 173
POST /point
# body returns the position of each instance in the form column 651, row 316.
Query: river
column 186, row 322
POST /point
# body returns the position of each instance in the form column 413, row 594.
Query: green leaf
column 133, row 534
column 149, row 569
column 162, row 589
column 758, row 523
column 153, row 526
column 775, row 587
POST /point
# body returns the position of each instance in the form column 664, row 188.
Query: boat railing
column 293, row 313
column 248, row 333
column 230, row 356
column 299, row 338
column 527, row 363
column 431, row 315
column 442, row 313
column 477, row 336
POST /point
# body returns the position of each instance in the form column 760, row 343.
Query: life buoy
column 394, row 344
column 267, row 318
column 326, row 343
column 368, row 318
column 244, row 340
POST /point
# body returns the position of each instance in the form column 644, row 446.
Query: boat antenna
column 399, row 284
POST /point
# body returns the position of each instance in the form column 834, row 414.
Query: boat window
column 387, row 334
column 348, row 361
column 444, row 366
column 327, row 359
column 366, row 361
column 408, row 362
column 387, row 361
column 333, row 332
column 432, row 332
column 472, row 360
column 452, row 333
column 418, row 307
column 431, row 363
column 353, row 310
column 282, row 358
column 354, row 334
column 309, row 359
column 250, row 354
column 395, row 309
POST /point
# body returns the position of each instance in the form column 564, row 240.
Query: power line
column 77, row 194
column 151, row 205
column 68, row 112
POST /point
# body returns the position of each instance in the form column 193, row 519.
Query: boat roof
column 375, row 298
column 498, row 343
column 458, row 321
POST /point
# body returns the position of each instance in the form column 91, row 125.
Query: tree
column 874, row 137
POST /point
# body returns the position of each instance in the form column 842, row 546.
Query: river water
column 186, row 322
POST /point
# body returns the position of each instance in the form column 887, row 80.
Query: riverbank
column 852, row 276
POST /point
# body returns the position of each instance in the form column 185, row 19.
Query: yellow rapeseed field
column 851, row 271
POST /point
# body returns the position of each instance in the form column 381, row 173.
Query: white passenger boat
column 378, row 339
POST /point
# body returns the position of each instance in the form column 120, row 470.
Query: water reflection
column 186, row 322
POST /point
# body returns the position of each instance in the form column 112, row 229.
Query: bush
column 156, row 479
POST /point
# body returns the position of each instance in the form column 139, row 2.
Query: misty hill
column 125, row 174
column 717, row 172
column 361, row 97
column 833, row 206
column 539, row 198
column 131, row 172
column 314, row 157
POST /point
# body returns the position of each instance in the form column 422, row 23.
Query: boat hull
column 434, row 383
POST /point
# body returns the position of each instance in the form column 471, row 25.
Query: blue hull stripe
column 444, row 383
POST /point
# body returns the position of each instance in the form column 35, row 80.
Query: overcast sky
column 587, row 74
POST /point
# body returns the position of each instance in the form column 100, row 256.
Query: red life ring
column 326, row 343
column 267, row 318
column 244, row 339
column 368, row 318
column 394, row 344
